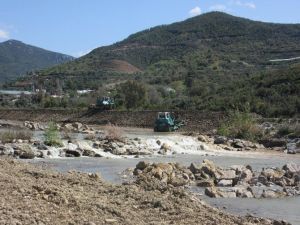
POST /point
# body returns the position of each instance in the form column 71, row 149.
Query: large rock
column 220, row 140
column 24, row 151
column 225, row 183
column 291, row 170
column 195, row 169
column 6, row 150
column 142, row 165
column 72, row 153
column 227, row 174
column 271, row 143
column 212, row 192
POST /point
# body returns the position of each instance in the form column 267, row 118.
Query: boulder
column 272, row 174
column 25, row 151
column 6, row 150
column 212, row 192
column 291, row 170
column 271, row 143
column 227, row 174
column 220, row 140
column 195, row 169
column 78, row 126
column 89, row 153
column 246, row 175
column 72, row 153
column 225, row 183
column 142, row 165
column 165, row 147
column 237, row 144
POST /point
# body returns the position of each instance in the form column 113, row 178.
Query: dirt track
column 30, row 195
column 195, row 120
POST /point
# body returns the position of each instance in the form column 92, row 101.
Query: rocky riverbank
column 236, row 181
column 32, row 195
column 79, row 140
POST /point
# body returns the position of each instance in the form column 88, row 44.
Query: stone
column 202, row 138
column 195, row 168
column 158, row 142
column 246, row 175
column 238, row 144
column 72, row 153
column 227, row 174
column 212, row 192
column 291, row 148
column 205, row 183
column 89, row 153
column 24, row 151
column 269, row 194
column 225, row 183
column 6, row 150
column 142, row 165
column 271, row 143
column 77, row 126
column 72, row 146
column 165, row 147
column 220, row 140
column 291, row 168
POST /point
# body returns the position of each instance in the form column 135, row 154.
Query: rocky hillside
column 17, row 58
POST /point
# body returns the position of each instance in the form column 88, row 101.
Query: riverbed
column 110, row 170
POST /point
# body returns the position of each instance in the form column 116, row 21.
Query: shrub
column 113, row 133
column 52, row 136
column 9, row 136
column 291, row 130
column 240, row 125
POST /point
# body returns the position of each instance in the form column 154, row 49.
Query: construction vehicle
column 103, row 103
column 166, row 122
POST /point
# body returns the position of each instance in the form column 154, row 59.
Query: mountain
column 17, row 58
column 212, row 44
column 214, row 61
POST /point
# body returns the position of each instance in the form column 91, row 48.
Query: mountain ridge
column 18, row 58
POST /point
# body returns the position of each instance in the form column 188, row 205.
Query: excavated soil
column 195, row 120
column 35, row 195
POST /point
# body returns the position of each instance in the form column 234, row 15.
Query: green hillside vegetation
column 214, row 61
column 17, row 58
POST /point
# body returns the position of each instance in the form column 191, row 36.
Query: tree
column 132, row 94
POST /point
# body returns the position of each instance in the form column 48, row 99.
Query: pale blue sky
column 77, row 26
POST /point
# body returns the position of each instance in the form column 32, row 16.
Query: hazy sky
column 76, row 26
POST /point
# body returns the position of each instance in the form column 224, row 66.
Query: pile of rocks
column 231, row 144
column 34, row 125
column 236, row 181
column 77, row 127
column 124, row 147
column 157, row 175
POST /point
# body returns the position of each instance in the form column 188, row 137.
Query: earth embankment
column 195, row 120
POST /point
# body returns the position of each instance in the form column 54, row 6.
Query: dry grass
column 113, row 133
column 11, row 135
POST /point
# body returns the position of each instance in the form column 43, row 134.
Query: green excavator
column 166, row 122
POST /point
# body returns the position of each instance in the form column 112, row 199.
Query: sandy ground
column 34, row 195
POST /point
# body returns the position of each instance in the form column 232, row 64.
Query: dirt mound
column 120, row 66
column 31, row 195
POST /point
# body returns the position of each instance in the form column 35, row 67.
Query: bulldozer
column 103, row 103
column 166, row 122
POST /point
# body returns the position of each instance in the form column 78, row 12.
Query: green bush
column 291, row 130
column 52, row 136
column 240, row 125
